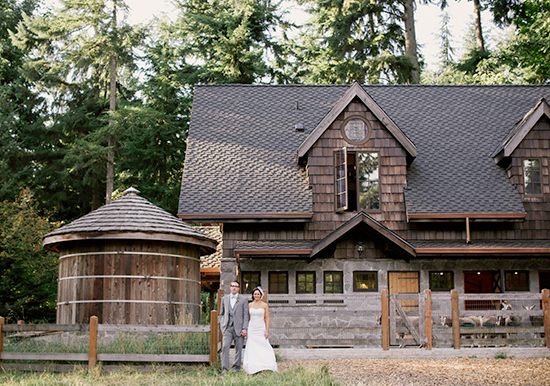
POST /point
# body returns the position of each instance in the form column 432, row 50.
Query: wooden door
column 404, row 312
column 405, row 282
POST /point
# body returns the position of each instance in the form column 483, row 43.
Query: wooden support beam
column 213, row 337
column 92, row 352
column 428, row 319
column 456, row 321
column 2, row 321
column 385, row 320
column 220, row 296
column 546, row 310
column 211, row 301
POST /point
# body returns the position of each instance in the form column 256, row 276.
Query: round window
column 356, row 129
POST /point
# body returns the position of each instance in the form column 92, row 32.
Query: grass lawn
column 169, row 376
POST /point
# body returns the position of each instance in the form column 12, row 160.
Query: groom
column 233, row 324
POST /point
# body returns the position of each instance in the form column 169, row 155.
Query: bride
column 258, row 354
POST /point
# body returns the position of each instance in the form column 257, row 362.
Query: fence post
column 213, row 337
column 546, row 320
column 220, row 296
column 20, row 322
column 92, row 354
column 385, row 320
column 456, row 320
column 1, row 338
column 428, row 319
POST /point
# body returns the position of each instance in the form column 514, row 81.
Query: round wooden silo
column 129, row 262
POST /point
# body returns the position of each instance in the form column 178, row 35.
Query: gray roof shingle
column 129, row 213
column 241, row 154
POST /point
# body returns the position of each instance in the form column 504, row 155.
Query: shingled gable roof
column 356, row 91
column 241, row 152
column 130, row 217
column 521, row 130
column 356, row 221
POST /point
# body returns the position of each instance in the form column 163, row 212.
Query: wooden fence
column 93, row 356
column 458, row 320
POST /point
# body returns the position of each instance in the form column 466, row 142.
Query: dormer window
column 356, row 181
column 531, row 177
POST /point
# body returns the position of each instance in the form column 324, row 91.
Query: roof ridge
column 256, row 85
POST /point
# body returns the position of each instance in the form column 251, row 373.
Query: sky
column 428, row 22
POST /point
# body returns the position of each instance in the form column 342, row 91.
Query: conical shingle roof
column 130, row 217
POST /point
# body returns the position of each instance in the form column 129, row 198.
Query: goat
column 465, row 321
column 474, row 321
column 510, row 320
column 536, row 321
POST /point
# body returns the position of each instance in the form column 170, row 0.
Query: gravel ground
column 448, row 372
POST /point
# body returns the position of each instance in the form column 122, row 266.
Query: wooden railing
column 93, row 356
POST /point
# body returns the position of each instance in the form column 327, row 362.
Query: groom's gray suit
column 232, row 321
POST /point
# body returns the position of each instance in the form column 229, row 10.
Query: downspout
column 468, row 240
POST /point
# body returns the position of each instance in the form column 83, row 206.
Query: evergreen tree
column 446, row 50
column 353, row 40
column 28, row 273
column 530, row 48
column 231, row 41
column 70, row 57
column 495, row 68
column 22, row 144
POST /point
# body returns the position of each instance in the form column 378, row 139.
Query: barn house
column 328, row 195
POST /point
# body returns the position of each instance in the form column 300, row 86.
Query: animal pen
column 428, row 319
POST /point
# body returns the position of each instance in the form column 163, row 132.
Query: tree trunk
column 111, row 141
column 410, row 40
column 479, row 33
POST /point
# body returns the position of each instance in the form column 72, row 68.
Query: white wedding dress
column 258, row 354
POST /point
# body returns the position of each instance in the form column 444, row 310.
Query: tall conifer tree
column 354, row 40
column 70, row 59
column 230, row 41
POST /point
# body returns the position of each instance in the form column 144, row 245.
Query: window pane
column 531, row 176
column 356, row 130
column 369, row 197
column 441, row 281
column 365, row 281
column 334, row 283
column 278, row 283
column 305, row 282
column 340, row 183
column 250, row 280
column 516, row 280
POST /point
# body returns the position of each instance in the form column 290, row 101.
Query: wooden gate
column 405, row 323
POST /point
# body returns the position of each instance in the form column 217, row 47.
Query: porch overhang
column 210, row 279
column 483, row 249
column 459, row 217
column 283, row 249
column 360, row 219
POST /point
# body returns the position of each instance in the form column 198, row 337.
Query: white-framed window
column 532, row 177
column 356, row 180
